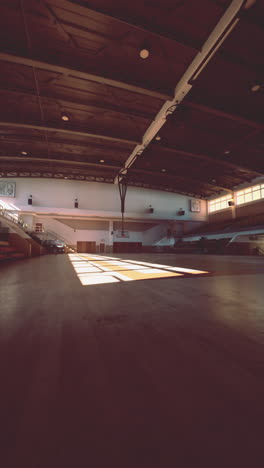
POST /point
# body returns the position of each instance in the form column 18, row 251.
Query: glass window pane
column 256, row 187
column 256, row 195
column 249, row 189
column 248, row 197
column 240, row 199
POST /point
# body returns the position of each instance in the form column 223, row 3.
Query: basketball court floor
column 141, row 360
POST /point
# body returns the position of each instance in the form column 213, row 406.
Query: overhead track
column 224, row 27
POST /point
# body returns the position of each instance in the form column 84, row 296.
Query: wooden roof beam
column 79, row 104
column 30, row 62
column 224, row 115
column 65, row 131
column 80, row 164
column 185, row 180
column 209, row 159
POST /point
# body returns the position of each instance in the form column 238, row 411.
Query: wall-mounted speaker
column 30, row 200
column 151, row 210
column 181, row 212
column 76, row 203
column 231, row 203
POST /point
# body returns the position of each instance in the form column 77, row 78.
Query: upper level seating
column 232, row 225
column 7, row 252
column 203, row 245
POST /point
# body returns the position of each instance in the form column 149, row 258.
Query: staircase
column 7, row 251
column 14, row 231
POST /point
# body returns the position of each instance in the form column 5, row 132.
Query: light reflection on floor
column 96, row 269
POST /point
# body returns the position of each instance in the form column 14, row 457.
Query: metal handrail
column 10, row 215
column 26, row 227
column 54, row 234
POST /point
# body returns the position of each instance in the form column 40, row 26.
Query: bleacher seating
column 203, row 245
column 7, row 252
column 231, row 225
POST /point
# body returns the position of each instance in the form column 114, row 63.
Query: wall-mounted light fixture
column 151, row 210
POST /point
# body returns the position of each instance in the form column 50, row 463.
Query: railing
column 12, row 215
column 51, row 235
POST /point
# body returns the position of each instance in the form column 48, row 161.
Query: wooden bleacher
column 231, row 225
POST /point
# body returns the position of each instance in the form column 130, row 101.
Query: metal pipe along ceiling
column 223, row 28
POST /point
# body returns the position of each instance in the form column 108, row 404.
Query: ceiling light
column 24, row 153
column 158, row 138
column 144, row 53
column 65, row 117
column 213, row 180
column 163, row 170
column 227, row 152
column 102, row 160
column 256, row 87
column 65, row 177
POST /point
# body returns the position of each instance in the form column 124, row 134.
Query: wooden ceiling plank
column 209, row 159
column 180, row 179
column 22, row 60
column 66, row 131
column 225, row 115
column 59, row 161
column 129, row 22
column 77, row 104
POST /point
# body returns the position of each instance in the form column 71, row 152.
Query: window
column 219, row 203
column 250, row 194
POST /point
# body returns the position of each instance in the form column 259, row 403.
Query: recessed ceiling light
column 227, row 151
column 213, row 180
column 144, row 53
column 163, row 170
column 24, row 153
column 65, row 117
column 102, row 160
column 256, row 87
column 65, row 177
column 158, row 138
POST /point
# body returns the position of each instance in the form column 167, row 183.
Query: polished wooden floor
column 154, row 373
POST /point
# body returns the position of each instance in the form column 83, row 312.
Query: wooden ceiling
column 80, row 59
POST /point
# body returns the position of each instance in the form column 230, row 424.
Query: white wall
column 54, row 198
column 98, row 199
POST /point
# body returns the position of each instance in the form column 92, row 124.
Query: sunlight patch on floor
column 96, row 269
